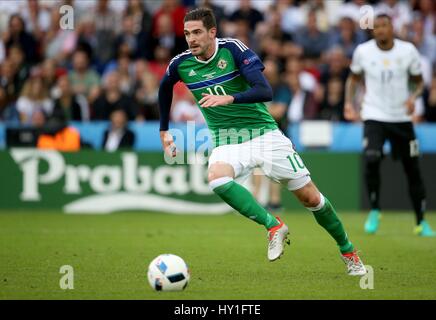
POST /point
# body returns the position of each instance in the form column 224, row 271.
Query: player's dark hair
column 204, row 14
column 384, row 16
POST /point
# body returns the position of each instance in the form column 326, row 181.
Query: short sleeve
column 415, row 68
column 356, row 63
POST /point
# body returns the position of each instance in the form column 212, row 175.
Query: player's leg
column 275, row 198
column 221, row 180
column 326, row 216
column 374, row 138
column 225, row 164
column 286, row 166
column 323, row 211
column 406, row 146
column 257, row 184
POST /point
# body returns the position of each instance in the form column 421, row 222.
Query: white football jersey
column 386, row 76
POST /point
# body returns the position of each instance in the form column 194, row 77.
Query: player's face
column 199, row 39
column 383, row 30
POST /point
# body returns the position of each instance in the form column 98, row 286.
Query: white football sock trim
column 219, row 182
column 320, row 205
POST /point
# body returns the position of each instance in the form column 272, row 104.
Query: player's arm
column 251, row 68
column 351, row 85
column 416, row 82
column 165, row 101
column 260, row 91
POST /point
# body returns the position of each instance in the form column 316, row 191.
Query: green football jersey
column 223, row 74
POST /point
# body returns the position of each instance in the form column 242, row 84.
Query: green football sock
column 328, row 219
column 243, row 201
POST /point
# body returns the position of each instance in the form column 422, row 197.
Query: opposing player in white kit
column 227, row 82
column 392, row 73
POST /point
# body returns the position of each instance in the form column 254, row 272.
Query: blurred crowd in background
column 113, row 59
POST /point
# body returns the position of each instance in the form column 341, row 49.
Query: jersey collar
column 213, row 56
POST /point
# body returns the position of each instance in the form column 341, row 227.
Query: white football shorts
column 273, row 152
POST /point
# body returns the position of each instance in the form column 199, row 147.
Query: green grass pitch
column 226, row 254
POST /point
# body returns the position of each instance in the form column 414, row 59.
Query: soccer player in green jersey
column 227, row 82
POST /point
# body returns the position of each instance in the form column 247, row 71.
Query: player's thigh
column 280, row 162
column 374, row 136
column 403, row 140
column 229, row 160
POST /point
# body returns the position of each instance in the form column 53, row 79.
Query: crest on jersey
column 222, row 64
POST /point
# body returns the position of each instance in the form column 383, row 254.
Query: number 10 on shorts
column 296, row 161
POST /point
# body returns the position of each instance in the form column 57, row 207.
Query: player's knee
column 372, row 157
column 217, row 171
column 311, row 200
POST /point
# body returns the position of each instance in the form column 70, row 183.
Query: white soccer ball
column 168, row 272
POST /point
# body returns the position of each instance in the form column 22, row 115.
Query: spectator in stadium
column 112, row 98
column 248, row 13
column 58, row 43
column 128, row 38
column 335, row 69
column 37, row 18
column 107, row 26
column 69, row 106
column 302, row 104
column 87, row 37
column 56, row 134
column 430, row 101
column 185, row 109
column 118, row 135
column 243, row 33
column 346, row 35
column 320, row 9
column 85, row 81
column 158, row 65
column 9, row 92
column 50, row 73
column 313, row 41
column 164, row 36
column 16, row 35
column 332, row 106
column 272, row 26
column 147, row 96
column 125, row 66
column 426, row 44
column 427, row 9
column 292, row 16
column 352, row 9
column 34, row 97
column 308, row 82
column 17, row 57
column 167, row 29
column 142, row 19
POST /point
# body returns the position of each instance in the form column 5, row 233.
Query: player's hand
column 350, row 113
column 210, row 100
column 410, row 105
column 168, row 144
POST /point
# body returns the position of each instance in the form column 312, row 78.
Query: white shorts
column 272, row 152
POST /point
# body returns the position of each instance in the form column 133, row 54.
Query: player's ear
column 212, row 32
